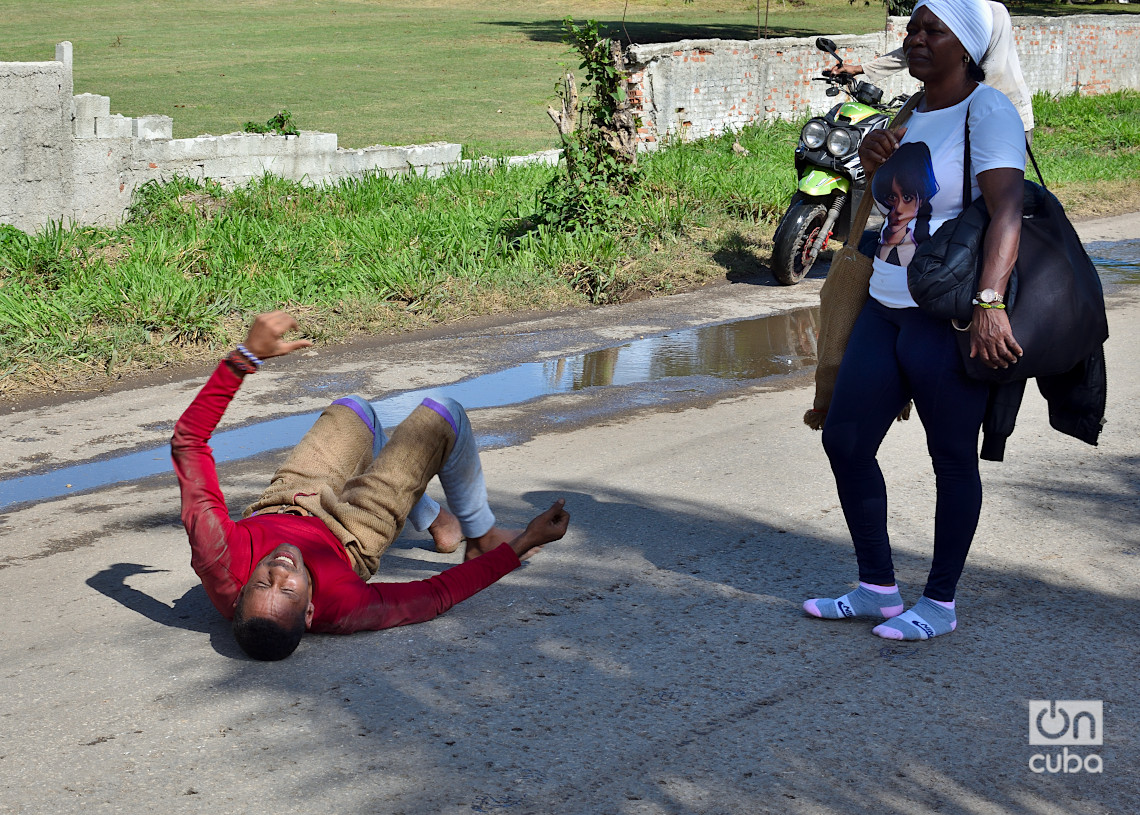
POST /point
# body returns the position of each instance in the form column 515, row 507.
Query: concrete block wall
column 1088, row 54
column 698, row 88
column 133, row 151
column 69, row 157
column 694, row 89
column 35, row 143
column 1100, row 58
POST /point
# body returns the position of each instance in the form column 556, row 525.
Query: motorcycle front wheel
column 793, row 239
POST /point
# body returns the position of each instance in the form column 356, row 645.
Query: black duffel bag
column 1054, row 299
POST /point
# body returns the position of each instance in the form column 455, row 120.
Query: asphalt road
column 655, row 661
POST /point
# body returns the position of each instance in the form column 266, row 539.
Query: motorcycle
column 831, row 179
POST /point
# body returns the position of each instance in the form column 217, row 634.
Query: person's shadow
column 193, row 611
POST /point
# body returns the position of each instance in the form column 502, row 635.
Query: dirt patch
column 1084, row 200
column 110, row 253
column 203, row 204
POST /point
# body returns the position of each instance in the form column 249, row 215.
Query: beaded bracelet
column 245, row 353
column 239, row 363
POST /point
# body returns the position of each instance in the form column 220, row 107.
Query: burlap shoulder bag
column 843, row 296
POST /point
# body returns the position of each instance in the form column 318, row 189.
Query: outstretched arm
column 369, row 606
column 876, row 70
column 846, row 69
column 204, row 512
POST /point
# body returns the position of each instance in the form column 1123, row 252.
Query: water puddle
column 742, row 351
column 1117, row 261
column 739, row 352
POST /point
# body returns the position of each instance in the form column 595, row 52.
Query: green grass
column 179, row 279
column 386, row 71
column 1071, row 128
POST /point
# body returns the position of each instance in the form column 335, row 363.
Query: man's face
column 279, row 588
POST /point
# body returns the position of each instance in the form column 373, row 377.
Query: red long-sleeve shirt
column 224, row 552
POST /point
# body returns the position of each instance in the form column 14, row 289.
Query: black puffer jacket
column 1076, row 405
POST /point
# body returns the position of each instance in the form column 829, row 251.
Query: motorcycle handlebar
column 844, row 80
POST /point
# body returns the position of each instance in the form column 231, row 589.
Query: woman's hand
column 878, row 146
column 991, row 338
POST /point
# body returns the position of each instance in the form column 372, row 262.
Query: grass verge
column 83, row 306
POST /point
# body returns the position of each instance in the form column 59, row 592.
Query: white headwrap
column 972, row 22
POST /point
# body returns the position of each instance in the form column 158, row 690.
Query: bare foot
column 489, row 540
column 445, row 532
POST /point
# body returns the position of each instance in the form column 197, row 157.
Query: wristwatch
column 988, row 298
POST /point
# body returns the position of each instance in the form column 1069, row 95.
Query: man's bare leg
column 489, row 540
column 445, row 532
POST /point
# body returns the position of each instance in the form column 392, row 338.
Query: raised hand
column 264, row 338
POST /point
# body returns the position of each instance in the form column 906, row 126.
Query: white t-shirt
column 920, row 186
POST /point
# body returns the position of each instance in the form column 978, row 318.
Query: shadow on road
column 193, row 611
column 657, row 661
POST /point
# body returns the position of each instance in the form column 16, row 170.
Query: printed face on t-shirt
column 902, row 206
column 902, row 189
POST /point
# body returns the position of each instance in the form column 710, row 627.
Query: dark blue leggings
column 895, row 355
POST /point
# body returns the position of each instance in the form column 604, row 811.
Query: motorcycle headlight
column 839, row 142
column 814, row 134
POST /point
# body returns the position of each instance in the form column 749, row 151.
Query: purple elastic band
column 431, row 404
column 358, row 409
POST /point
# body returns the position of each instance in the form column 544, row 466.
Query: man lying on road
column 302, row 554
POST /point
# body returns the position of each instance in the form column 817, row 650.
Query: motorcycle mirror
column 832, row 91
column 824, row 44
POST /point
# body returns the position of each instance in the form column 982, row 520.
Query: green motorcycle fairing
column 818, row 182
column 855, row 112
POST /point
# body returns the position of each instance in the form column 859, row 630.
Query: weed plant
column 600, row 166
column 179, row 279
column 282, row 124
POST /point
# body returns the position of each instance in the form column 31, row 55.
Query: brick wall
column 698, row 88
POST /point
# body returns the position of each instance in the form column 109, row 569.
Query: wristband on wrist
column 239, row 363
column 245, row 353
column 988, row 298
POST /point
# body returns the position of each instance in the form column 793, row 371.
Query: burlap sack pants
column 363, row 485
